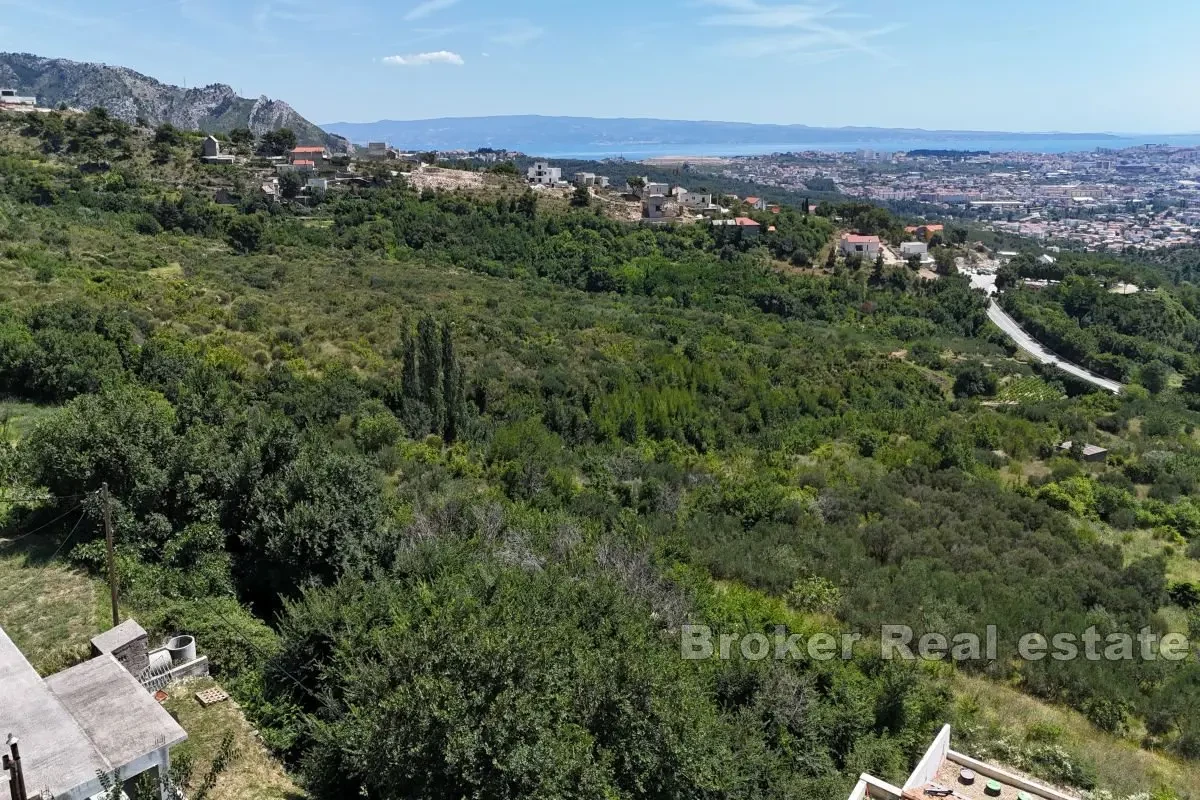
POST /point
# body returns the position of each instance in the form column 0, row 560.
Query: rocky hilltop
column 129, row 95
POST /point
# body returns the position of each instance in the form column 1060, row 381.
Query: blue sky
column 1078, row 65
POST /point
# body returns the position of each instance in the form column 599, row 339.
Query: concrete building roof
column 115, row 711
column 118, row 637
column 94, row 716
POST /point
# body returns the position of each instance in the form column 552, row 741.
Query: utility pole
column 106, row 500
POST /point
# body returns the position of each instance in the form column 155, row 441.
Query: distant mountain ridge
column 127, row 94
column 536, row 134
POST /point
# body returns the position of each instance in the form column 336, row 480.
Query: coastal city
column 1143, row 198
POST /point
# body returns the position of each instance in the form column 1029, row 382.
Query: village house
column 542, row 174
column 317, row 156
column 1090, row 453
column 649, row 188
column 910, row 249
column 756, row 202
column 868, row 247
column 301, row 167
column 654, row 206
column 590, row 180
column 695, row 200
column 749, row 228
column 212, row 152
column 10, row 99
column 379, row 151
column 92, row 721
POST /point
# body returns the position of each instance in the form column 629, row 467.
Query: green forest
column 436, row 478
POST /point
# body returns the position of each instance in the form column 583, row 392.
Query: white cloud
column 813, row 33
column 424, row 59
column 422, row 10
column 519, row 35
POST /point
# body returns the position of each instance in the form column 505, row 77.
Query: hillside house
column 868, row 247
column 590, row 180
column 379, row 151
column 749, row 228
column 89, row 720
column 317, row 156
column 910, row 249
column 654, row 206
column 1090, row 453
column 302, row 167
column 695, row 200
column 10, row 99
column 542, row 174
column 756, row 203
column 944, row 772
column 212, row 152
column 649, row 188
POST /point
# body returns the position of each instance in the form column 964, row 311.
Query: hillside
column 129, row 95
column 438, row 477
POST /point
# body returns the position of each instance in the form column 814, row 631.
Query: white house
column 702, row 200
column 910, row 249
column 9, row 98
column 866, row 246
column 212, row 152
column 542, row 174
column 590, row 180
column 650, row 188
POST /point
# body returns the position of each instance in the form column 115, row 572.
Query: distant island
column 642, row 138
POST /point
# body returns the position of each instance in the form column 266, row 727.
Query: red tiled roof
column 746, row 222
column 751, row 200
column 309, row 150
column 854, row 238
column 303, row 164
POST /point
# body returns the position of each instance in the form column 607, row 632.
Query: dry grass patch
column 1120, row 764
column 252, row 772
column 50, row 612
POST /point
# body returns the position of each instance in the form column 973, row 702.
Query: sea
column 1022, row 144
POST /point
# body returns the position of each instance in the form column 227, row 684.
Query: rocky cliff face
column 129, row 95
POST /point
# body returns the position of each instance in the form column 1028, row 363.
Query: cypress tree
column 451, row 386
column 430, row 369
column 409, row 377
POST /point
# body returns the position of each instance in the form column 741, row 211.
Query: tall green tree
column 430, row 370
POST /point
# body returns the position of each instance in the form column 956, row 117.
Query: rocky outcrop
column 131, row 95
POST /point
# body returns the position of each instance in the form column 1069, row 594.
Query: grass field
column 50, row 612
column 252, row 772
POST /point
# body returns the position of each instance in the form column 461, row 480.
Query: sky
column 1001, row 65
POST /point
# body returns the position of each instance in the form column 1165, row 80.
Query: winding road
column 1035, row 348
column 987, row 282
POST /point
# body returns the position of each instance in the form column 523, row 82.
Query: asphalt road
column 1035, row 348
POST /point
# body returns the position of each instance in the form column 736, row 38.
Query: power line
column 69, row 535
column 323, row 701
column 43, row 527
column 6, row 497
